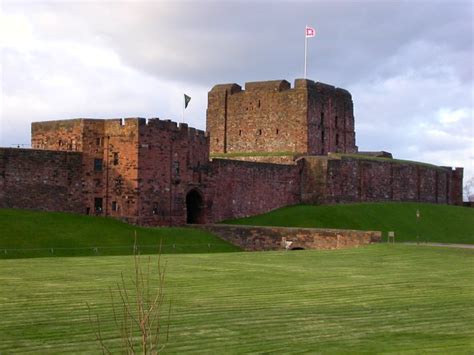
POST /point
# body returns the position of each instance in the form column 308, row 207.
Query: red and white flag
column 310, row 32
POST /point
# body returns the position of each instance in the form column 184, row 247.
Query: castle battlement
column 276, row 86
column 68, row 134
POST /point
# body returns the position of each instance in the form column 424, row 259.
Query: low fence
column 12, row 253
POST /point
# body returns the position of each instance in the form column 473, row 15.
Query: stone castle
column 268, row 145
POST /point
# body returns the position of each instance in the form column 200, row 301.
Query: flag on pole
column 186, row 100
column 310, row 32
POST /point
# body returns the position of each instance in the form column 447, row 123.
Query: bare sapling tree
column 139, row 308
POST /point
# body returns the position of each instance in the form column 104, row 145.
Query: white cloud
column 447, row 116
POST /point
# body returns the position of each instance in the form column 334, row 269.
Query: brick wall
column 41, row 179
column 271, row 116
column 237, row 189
column 253, row 238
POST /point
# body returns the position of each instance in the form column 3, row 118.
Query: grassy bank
column 34, row 234
column 438, row 223
column 375, row 299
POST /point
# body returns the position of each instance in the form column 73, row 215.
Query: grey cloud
column 209, row 42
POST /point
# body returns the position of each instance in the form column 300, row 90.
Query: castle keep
column 271, row 117
column 267, row 146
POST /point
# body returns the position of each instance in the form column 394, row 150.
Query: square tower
column 272, row 117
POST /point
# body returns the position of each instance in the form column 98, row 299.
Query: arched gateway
column 194, row 207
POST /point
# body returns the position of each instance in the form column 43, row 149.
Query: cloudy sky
column 409, row 65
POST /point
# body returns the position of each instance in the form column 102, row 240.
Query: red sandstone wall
column 265, row 117
column 171, row 160
column 253, row 238
column 237, row 189
column 119, row 176
column 455, row 187
column 356, row 179
column 330, row 118
column 40, row 179
column 63, row 135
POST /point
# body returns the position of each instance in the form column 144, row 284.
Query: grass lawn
column 378, row 298
column 34, row 233
column 438, row 223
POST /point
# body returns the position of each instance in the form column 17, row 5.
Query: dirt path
column 449, row 245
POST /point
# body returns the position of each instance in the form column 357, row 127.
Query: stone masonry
column 272, row 117
column 298, row 146
column 255, row 238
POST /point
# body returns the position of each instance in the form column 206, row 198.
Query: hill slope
column 438, row 223
column 33, row 233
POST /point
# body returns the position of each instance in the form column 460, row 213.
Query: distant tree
column 469, row 189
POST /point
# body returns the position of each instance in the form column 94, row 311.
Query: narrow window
column 322, row 136
column 97, row 141
column 335, row 122
column 98, row 204
column 116, row 158
column 258, row 103
column 240, row 132
column 277, row 131
column 217, row 140
column 114, row 206
column 118, row 182
column 97, row 164
column 322, row 119
column 259, row 132
column 60, row 143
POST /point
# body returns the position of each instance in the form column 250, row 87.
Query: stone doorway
column 194, row 207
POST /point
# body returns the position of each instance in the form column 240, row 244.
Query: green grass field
column 438, row 223
column 33, row 234
column 380, row 298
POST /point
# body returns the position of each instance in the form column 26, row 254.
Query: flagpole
column 305, row 50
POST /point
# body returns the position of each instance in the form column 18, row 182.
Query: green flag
column 186, row 100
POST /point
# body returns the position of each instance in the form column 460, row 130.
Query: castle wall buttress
column 119, row 183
